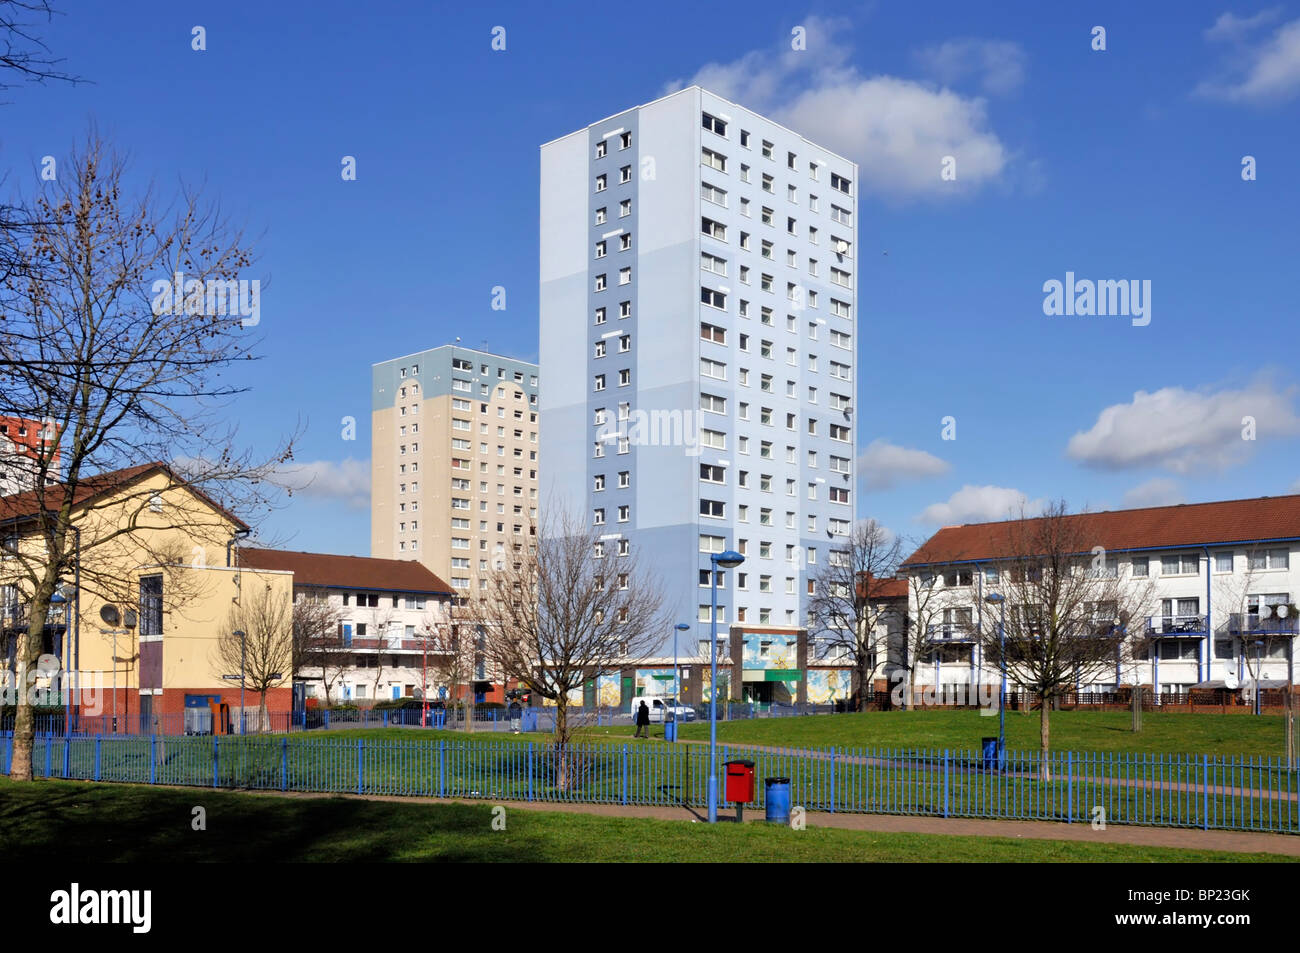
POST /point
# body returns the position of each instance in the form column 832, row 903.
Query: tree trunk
column 562, row 742
column 1044, row 741
column 27, row 652
column 911, row 688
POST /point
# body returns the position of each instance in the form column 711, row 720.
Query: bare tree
column 263, row 653
column 1066, row 610
column 924, row 612
column 457, row 647
column 847, row 607
column 24, row 56
column 318, row 640
column 563, row 609
column 117, row 375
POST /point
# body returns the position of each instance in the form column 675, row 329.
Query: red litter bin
column 740, row 785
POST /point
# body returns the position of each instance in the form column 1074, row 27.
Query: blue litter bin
column 670, row 730
column 995, row 755
column 528, row 720
column 777, row 800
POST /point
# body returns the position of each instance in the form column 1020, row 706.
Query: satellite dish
column 1230, row 682
column 841, row 246
column 108, row 612
column 1282, row 612
column 129, row 618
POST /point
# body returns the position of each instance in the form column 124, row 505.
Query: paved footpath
column 1234, row 841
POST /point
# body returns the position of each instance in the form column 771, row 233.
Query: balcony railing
column 951, row 632
column 1250, row 623
column 1161, row 625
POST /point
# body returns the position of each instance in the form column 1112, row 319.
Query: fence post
column 945, row 782
column 442, row 766
column 832, row 808
column 625, row 775
column 216, row 740
column 385, row 717
column 67, row 756
column 284, row 763
column 1069, row 787
column 530, row 770
column 327, row 719
column 360, row 761
column 153, row 759
column 99, row 741
column 1205, row 792
column 49, row 753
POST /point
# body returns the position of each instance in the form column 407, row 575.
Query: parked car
column 659, row 707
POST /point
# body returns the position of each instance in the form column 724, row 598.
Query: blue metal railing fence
column 1209, row 792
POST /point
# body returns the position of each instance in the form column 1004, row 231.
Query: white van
column 659, row 707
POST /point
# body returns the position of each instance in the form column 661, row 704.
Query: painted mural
column 771, row 650
column 724, row 681
column 655, row 681
column 826, row 686
column 609, row 690
column 574, row 696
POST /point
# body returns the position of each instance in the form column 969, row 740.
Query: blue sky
column 1117, row 164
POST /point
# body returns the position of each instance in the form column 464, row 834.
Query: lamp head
column 682, row 627
column 995, row 598
column 729, row 559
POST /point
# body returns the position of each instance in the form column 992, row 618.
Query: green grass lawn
column 962, row 730
column 132, row 824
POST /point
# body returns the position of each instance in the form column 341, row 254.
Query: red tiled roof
column 346, row 572
column 1158, row 527
column 29, row 502
column 880, row 588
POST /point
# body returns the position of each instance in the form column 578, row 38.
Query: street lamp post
column 243, row 640
column 999, row 600
column 1259, row 671
column 726, row 560
column 679, row 627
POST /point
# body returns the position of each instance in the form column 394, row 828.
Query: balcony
column 1250, row 623
column 1167, row 626
column 951, row 633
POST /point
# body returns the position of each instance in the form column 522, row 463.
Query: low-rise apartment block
column 1220, row 583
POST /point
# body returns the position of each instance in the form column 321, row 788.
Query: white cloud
column 1183, row 430
column 1231, row 27
column 999, row 65
column 1158, row 491
column 897, row 130
column 346, row 480
column 882, row 465
column 1255, row 69
column 980, row 504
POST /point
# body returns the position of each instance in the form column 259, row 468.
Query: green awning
column 772, row 675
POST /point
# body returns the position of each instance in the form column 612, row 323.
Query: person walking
column 642, row 721
column 516, row 715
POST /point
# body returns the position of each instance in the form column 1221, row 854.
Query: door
column 146, row 714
